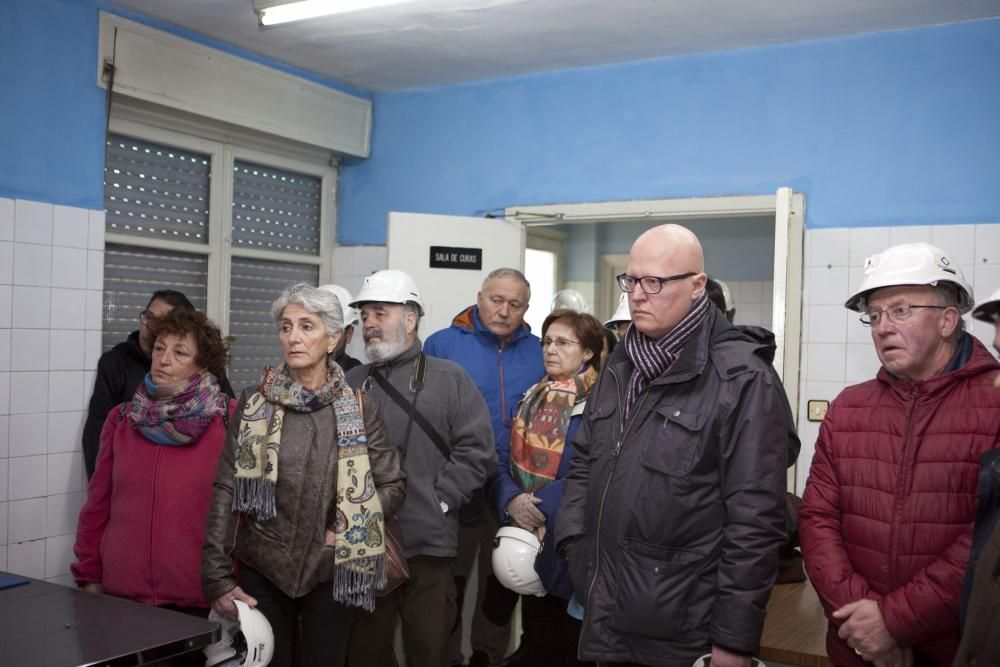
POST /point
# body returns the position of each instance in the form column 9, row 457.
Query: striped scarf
column 652, row 358
column 176, row 414
column 359, row 552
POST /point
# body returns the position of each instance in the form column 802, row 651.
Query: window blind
column 275, row 209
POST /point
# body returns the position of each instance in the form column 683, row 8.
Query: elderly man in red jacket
column 887, row 513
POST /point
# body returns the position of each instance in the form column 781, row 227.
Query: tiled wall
column 351, row 265
column 51, row 277
column 837, row 350
column 753, row 300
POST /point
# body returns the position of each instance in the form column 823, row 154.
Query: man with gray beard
column 442, row 427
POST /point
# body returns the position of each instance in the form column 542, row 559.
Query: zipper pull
column 618, row 447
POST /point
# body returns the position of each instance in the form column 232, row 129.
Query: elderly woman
column 305, row 483
column 528, row 485
column 139, row 535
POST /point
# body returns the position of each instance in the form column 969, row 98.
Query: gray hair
column 505, row 272
column 411, row 307
column 323, row 304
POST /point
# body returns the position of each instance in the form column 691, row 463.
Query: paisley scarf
column 176, row 414
column 538, row 435
column 359, row 553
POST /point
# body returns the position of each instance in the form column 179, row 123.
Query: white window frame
column 225, row 145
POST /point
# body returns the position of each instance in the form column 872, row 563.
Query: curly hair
column 212, row 353
column 586, row 327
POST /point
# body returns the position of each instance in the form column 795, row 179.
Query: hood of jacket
column 130, row 348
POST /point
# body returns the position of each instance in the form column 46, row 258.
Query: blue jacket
column 502, row 374
column 549, row 565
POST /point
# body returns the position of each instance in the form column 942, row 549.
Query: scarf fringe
column 254, row 494
column 356, row 582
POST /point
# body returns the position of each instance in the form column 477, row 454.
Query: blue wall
column 51, row 110
column 893, row 128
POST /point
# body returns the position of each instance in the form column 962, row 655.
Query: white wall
column 51, row 277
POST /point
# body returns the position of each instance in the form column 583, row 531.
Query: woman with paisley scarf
column 528, row 484
column 139, row 535
column 305, row 483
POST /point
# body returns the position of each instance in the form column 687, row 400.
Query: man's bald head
column 663, row 251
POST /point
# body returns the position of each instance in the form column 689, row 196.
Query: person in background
column 621, row 319
column 886, row 519
column 346, row 361
column 718, row 292
column 140, row 533
column 530, row 472
column 441, row 426
column 673, row 508
column 981, row 593
column 308, row 476
column 121, row 369
column 569, row 299
column 610, row 341
column 491, row 341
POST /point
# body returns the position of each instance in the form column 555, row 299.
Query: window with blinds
column 232, row 261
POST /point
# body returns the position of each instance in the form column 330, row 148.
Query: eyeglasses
column 145, row 315
column 896, row 314
column 649, row 284
column 561, row 343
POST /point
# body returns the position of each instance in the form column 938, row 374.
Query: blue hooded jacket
column 502, row 373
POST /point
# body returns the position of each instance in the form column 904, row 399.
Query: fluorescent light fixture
column 273, row 12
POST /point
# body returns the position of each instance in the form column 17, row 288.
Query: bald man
column 673, row 509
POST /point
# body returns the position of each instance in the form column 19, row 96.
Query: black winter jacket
column 674, row 519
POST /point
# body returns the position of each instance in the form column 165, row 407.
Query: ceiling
column 436, row 42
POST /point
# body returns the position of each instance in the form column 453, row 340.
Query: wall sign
column 444, row 257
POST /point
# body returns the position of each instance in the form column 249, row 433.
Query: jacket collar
column 690, row 363
column 468, row 322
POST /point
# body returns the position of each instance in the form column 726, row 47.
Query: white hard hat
column 389, row 286
column 727, row 296
column 911, row 264
column 706, row 660
column 571, row 299
column 345, row 298
column 989, row 310
column 248, row 642
column 514, row 552
column 622, row 313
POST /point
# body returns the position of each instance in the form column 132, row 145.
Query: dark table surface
column 47, row 625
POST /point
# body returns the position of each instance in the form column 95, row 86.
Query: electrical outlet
column 816, row 410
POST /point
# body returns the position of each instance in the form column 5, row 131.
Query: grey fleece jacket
column 451, row 403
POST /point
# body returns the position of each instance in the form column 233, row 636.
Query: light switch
column 816, row 410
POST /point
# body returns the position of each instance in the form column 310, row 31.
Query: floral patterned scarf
column 359, row 553
column 538, row 435
column 176, row 414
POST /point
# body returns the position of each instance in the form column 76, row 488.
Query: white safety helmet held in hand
column 911, row 264
column 248, row 642
column 989, row 310
column 514, row 553
column 706, row 661
column 344, row 297
column 622, row 313
column 571, row 299
column 389, row 286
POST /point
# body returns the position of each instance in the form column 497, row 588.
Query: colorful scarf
column 652, row 358
column 359, row 553
column 176, row 414
column 538, row 435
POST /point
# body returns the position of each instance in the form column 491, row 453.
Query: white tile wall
column 351, row 265
column 837, row 350
column 51, row 277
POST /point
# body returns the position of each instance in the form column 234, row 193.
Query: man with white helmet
column 621, row 318
column 441, row 425
column 339, row 354
column 886, row 519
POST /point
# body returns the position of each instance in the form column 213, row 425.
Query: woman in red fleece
column 141, row 531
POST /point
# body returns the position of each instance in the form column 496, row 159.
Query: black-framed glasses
column 896, row 314
column 145, row 315
column 649, row 284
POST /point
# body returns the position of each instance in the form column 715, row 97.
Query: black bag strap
column 416, row 383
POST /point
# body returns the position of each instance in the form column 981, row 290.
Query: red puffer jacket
column 888, row 509
column 141, row 531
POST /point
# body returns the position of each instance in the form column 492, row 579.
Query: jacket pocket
column 678, row 440
column 654, row 584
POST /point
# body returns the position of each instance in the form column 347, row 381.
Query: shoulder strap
column 417, row 383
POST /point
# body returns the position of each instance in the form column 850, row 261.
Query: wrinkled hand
column 524, row 513
column 864, row 629
column 723, row 658
column 225, row 607
column 896, row 657
column 92, row 588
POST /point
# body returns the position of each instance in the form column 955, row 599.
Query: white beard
column 384, row 350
